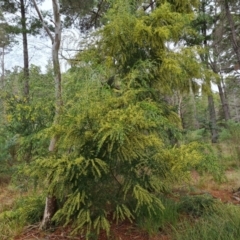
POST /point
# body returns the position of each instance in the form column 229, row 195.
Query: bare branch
column 43, row 23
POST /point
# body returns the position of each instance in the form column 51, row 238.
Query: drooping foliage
column 113, row 155
column 117, row 136
column 117, row 148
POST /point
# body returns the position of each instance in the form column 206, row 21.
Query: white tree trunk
column 51, row 203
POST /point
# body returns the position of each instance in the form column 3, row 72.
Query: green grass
column 18, row 211
column 222, row 224
column 162, row 219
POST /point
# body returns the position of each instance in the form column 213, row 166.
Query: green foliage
column 199, row 135
column 26, row 210
column 211, row 163
column 25, row 120
column 139, row 37
column 197, row 205
column 231, row 135
column 114, row 155
column 4, row 155
column 161, row 219
column 116, row 141
column 223, row 224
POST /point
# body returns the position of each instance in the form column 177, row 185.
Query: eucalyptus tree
column 50, row 207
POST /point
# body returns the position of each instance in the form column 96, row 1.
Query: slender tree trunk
column 233, row 36
column 3, row 68
column 212, row 114
column 222, row 94
column 235, row 102
column 25, row 49
column 224, row 102
column 211, row 107
column 56, row 69
column 51, row 202
column 193, row 106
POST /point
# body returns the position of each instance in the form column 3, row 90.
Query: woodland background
column 151, row 96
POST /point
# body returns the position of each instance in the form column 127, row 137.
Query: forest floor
column 126, row 231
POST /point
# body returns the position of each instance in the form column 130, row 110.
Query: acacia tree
column 50, row 207
column 114, row 147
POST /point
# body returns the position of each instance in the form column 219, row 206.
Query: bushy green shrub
column 25, row 122
column 197, row 205
column 26, row 210
column 211, row 163
column 199, row 135
column 113, row 157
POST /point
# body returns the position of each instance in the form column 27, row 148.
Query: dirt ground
column 126, row 231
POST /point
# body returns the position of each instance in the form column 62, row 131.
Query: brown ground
column 122, row 231
column 126, row 231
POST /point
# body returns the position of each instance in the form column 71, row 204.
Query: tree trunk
column 224, row 102
column 49, row 211
column 233, row 36
column 193, row 106
column 3, row 68
column 51, row 201
column 25, row 49
column 213, row 123
column 211, row 108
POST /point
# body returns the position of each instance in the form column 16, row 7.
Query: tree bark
column 3, row 68
column 233, row 35
column 193, row 106
column 213, row 124
column 51, row 202
column 25, row 49
column 224, row 103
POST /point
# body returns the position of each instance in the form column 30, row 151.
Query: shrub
column 197, row 205
column 26, row 210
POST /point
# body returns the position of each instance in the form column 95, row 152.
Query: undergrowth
column 222, row 224
column 23, row 212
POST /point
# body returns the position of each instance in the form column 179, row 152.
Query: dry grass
column 206, row 182
column 7, row 196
